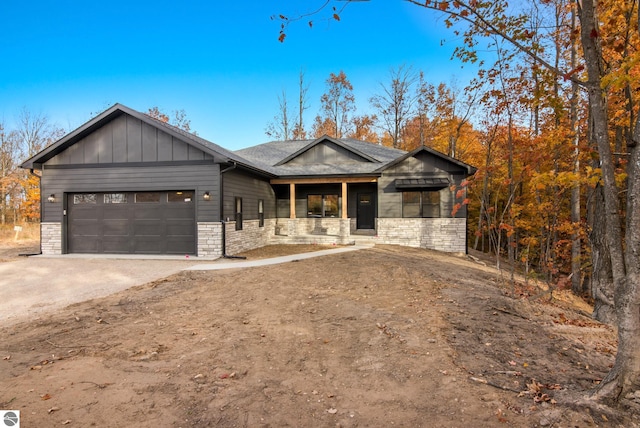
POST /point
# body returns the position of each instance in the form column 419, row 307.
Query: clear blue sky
column 220, row 61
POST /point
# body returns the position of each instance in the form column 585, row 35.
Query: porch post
column 344, row 200
column 292, row 200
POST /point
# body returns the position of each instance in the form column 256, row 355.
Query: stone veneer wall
column 336, row 230
column 442, row 234
column 209, row 239
column 51, row 238
column 251, row 236
column 318, row 226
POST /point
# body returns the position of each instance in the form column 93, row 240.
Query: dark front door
column 366, row 211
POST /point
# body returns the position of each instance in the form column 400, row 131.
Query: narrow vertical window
column 238, row 215
column 260, row 213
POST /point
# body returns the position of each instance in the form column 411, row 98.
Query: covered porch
column 337, row 210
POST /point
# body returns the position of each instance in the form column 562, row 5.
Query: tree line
column 408, row 111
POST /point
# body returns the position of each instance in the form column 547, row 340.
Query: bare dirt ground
column 387, row 337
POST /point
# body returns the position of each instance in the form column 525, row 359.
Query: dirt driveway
column 388, row 336
column 31, row 286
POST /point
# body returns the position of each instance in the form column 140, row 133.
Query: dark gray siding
column 198, row 177
column 250, row 188
column 424, row 165
column 326, row 153
column 127, row 139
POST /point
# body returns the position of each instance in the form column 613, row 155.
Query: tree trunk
column 576, row 244
column 601, row 277
column 624, row 377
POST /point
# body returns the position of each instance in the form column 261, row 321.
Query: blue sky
column 219, row 61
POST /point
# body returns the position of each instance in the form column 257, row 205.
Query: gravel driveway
column 32, row 286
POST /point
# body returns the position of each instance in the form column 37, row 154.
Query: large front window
column 421, row 204
column 322, row 205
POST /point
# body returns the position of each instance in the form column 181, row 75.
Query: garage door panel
column 86, row 228
column 177, row 228
column 119, row 213
column 148, row 213
column 86, row 245
column 178, row 246
column 115, row 245
column 115, row 228
column 152, row 226
column 148, row 245
column 148, row 229
column 83, row 213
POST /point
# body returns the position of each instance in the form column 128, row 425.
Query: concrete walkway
column 33, row 286
column 236, row 264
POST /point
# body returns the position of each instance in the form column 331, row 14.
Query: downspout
column 222, row 219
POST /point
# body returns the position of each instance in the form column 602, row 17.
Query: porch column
column 344, row 200
column 292, row 200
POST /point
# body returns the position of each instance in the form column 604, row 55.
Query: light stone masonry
column 442, row 234
column 251, row 236
column 51, row 238
column 209, row 239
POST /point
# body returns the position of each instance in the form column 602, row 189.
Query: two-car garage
column 131, row 222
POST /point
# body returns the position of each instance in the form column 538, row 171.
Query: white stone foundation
column 51, row 238
column 441, row 234
column 209, row 239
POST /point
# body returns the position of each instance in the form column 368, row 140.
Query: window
column 148, row 198
column 421, row 204
column 85, row 198
column 260, row 213
column 180, row 196
column 238, row 216
column 115, row 198
column 323, row 205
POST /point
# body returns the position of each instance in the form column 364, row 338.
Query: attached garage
column 132, row 222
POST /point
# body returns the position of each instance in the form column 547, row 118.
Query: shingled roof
column 272, row 157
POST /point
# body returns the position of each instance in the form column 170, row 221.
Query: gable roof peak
column 320, row 140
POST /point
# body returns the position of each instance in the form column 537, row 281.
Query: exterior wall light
column 206, row 196
column 51, row 198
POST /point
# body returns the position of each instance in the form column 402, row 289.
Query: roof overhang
column 325, row 180
column 432, row 183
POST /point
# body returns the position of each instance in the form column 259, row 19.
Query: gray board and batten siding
column 251, row 189
column 421, row 165
column 127, row 154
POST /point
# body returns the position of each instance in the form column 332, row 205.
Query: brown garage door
column 131, row 223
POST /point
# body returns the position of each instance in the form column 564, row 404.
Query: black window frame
column 427, row 207
column 238, row 212
column 260, row 212
column 323, row 205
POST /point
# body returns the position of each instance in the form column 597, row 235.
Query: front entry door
column 366, row 211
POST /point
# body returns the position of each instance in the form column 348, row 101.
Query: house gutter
column 222, row 219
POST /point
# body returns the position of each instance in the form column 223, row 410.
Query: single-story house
column 126, row 183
